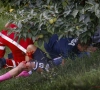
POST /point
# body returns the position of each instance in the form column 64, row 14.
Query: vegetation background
column 81, row 74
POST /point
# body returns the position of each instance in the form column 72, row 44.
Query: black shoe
column 2, row 62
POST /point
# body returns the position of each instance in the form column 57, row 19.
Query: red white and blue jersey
column 18, row 49
column 40, row 60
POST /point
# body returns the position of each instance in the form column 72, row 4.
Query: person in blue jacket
column 66, row 48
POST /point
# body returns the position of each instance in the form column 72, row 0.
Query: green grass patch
column 80, row 74
column 3, row 21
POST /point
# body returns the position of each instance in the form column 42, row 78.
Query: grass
column 81, row 74
column 3, row 21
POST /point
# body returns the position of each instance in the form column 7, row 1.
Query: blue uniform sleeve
column 10, row 56
column 49, row 47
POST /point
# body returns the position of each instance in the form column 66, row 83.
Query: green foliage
column 64, row 17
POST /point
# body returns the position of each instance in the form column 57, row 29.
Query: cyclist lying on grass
column 36, row 60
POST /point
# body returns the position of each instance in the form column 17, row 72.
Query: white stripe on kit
column 57, row 58
column 13, row 42
column 14, row 64
column 2, row 47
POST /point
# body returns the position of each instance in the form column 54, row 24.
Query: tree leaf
column 82, row 17
column 25, row 35
column 97, row 13
column 19, row 25
column 87, row 19
column 74, row 13
column 60, row 36
column 96, row 7
column 40, row 42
